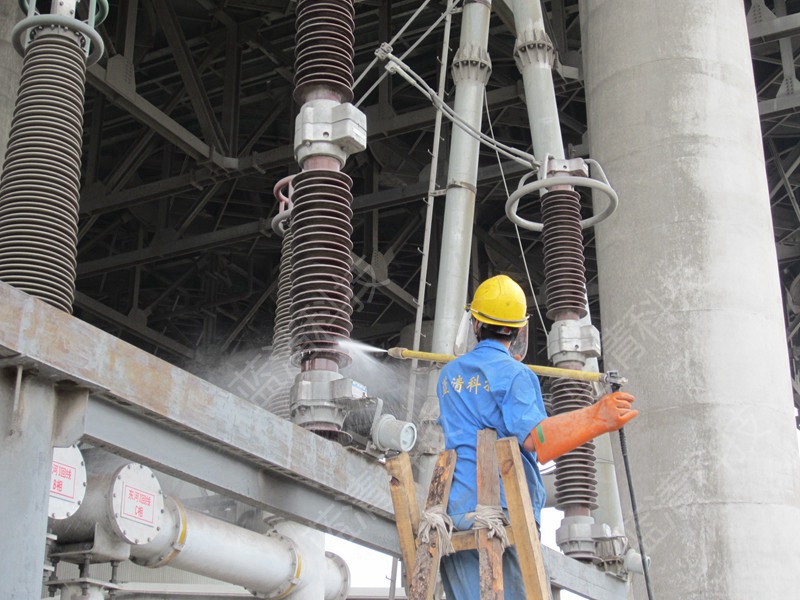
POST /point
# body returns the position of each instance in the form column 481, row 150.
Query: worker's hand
column 614, row 410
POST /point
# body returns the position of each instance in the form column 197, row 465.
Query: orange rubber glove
column 559, row 434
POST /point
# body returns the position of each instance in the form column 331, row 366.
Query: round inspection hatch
column 67, row 483
column 136, row 503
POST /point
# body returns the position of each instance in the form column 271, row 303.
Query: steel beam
column 137, row 327
column 66, row 349
column 27, row 417
column 248, row 316
column 148, row 410
column 386, row 286
column 779, row 107
column 97, row 201
column 157, row 252
column 125, row 97
column 212, row 131
column 775, row 29
column 221, row 470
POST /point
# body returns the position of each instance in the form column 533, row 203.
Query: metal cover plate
column 137, row 504
column 67, row 483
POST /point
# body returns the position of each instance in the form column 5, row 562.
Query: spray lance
column 610, row 378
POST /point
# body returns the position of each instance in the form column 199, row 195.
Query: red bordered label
column 62, row 482
column 138, row 505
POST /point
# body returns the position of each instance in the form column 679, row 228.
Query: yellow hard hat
column 500, row 301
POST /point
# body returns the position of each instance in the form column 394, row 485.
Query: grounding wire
column 416, row 81
column 411, row 48
column 516, row 228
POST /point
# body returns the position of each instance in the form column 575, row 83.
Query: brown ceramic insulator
column 324, row 48
column 576, row 480
column 321, row 291
column 565, row 276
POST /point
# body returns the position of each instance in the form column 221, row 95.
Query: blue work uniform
column 486, row 389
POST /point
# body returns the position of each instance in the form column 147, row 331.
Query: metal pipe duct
column 124, row 503
column 40, row 186
column 265, row 564
column 471, row 70
column 284, row 561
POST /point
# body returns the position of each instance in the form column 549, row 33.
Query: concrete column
column 26, row 459
column 690, row 297
column 10, row 68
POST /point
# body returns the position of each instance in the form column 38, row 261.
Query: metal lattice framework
column 189, row 123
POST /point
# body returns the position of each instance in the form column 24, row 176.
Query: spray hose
column 611, row 377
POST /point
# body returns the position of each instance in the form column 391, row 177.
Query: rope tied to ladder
column 492, row 518
column 436, row 520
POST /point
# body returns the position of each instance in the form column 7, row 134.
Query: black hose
column 623, row 444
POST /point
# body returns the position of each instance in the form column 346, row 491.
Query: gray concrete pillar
column 690, row 297
column 26, row 459
column 10, row 68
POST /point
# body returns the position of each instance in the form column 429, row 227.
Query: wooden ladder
column 493, row 454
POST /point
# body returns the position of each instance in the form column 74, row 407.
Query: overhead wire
column 417, row 82
column 394, row 39
column 448, row 12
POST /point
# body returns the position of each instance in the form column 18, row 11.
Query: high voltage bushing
column 324, row 47
column 321, row 266
column 40, row 186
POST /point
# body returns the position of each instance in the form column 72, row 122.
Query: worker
column 488, row 387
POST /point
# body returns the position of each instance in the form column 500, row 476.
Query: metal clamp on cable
column 549, row 179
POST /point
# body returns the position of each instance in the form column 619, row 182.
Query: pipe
column 593, row 376
column 269, row 564
column 426, row 241
column 471, row 70
column 537, row 78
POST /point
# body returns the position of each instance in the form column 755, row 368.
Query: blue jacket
column 488, row 388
